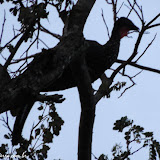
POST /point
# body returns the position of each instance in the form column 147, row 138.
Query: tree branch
column 54, row 98
column 146, row 48
column 13, row 52
column 105, row 25
column 139, row 66
column 49, row 65
column 149, row 23
column 87, row 108
column 103, row 89
column 131, row 57
column 53, row 34
column 3, row 27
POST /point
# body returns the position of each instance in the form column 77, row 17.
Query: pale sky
column 140, row 103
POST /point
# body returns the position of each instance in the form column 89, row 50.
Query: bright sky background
column 140, row 103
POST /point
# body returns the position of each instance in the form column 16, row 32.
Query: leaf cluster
column 116, row 87
column 41, row 136
column 135, row 137
column 29, row 17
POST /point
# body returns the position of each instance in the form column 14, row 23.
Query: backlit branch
column 3, row 27
column 131, row 57
column 139, row 66
column 131, row 79
column 149, row 25
column 133, row 8
column 120, row 7
column 52, row 34
column 155, row 18
column 14, row 50
column 130, row 9
column 146, row 48
column 105, row 24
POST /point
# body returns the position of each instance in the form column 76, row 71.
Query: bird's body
column 98, row 59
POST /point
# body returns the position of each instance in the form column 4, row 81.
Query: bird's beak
column 134, row 28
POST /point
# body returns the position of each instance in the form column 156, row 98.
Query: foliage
column 134, row 135
column 29, row 14
column 42, row 134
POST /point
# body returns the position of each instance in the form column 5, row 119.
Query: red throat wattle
column 123, row 32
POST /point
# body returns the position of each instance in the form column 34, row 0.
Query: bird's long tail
column 19, row 122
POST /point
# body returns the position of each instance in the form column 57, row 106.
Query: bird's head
column 123, row 26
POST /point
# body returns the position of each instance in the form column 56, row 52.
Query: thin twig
column 1, row 48
column 130, row 9
column 140, row 8
column 3, row 27
column 132, row 6
column 14, row 31
column 6, row 123
column 158, row 15
column 39, row 121
column 131, row 57
column 120, row 7
column 28, row 47
column 7, row 63
column 22, row 59
column 131, row 79
column 94, row 156
column 108, row 2
column 137, row 150
column 14, row 51
column 53, row 34
column 43, row 43
column 38, row 34
column 146, row 48
column 154, row 25
column 139, row 66
column 105, row 25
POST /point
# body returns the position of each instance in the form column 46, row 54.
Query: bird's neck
column 115, row 35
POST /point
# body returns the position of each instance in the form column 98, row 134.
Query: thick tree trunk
column 82, row 78
column 48, row 66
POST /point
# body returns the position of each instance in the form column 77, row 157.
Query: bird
column 98, row 59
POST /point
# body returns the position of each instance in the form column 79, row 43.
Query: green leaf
column 37, row 132
column 3, row 149
column 122, row 123
column 11, row 48
column 152, row 152
column 148, row 134
column 6, row 136
column 40, row 108
column 47, row 136
column 40, row 117
column 103, row 157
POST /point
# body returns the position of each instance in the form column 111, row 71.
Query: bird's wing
column 95, row 59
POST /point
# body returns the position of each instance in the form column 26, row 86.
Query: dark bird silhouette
column 98, row 59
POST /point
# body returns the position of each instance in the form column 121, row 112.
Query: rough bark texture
column 82, row 78
column 48, row 66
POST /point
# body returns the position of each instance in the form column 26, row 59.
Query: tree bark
column 49, row 65
column 82, row 78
